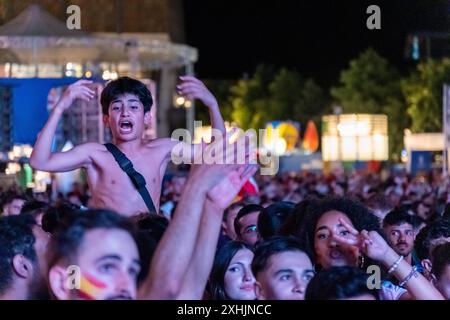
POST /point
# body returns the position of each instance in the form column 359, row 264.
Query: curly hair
column 359, row 215
column 433, row 231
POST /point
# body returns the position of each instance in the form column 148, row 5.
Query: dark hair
column 124, row 85
column 398, row 216
column 359, row 215
column 150, row 231
column 294, row 222
column 16, row 237
column 9, row 197
column 338, row 283
column 272, row 217
column 54, row 216
column 34, row 208
column 441, row 259
column 446, row 213
column 232, row 207
column 267, row 248
column 435, row 230
column 379, row 201
column 69, row 235
column 245, row 210
column 222, row 259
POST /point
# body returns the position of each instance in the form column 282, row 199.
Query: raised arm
column 175, row 250
column 218, row 199
column 375, row 247
column 192, row 88
column 42, row 158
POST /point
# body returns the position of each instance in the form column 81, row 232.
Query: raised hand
column 77, row 90
column 369, row 242
column 227, row 189
column 191, row 88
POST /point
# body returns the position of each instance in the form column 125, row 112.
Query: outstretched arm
column 174, row 252
column 374, row 246
column 218, row 199
column 42, row 157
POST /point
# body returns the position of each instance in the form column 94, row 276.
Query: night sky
column 317, row 38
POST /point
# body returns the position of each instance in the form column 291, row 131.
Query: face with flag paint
column 109, row 264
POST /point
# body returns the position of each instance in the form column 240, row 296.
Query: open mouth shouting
column 125, row 126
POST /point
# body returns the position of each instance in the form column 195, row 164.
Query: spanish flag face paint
column 90, row 287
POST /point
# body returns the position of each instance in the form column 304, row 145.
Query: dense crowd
column 217, row 231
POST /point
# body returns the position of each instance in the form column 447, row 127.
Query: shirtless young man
column 126, row 107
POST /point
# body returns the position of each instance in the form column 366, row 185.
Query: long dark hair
column 216, row 284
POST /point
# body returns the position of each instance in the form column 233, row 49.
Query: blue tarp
column 29, row 100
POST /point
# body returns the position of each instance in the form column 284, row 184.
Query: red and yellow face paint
column 90, row 287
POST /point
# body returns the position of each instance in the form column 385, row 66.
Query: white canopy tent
column 36, row 44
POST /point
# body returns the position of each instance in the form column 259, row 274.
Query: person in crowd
column 126, row 105
column 272, row 218
column 398, row 227
column 36, row 209
column 282, row 268
column 183, row 260
column 246, row 223
column 427, row 239
column 379, row 205
column 80, row 270
column 343, row 232
column 231, row 276
column 340, row 283
column 22, row 259
column 441, row 268
column 12, row 204
column 228, row 220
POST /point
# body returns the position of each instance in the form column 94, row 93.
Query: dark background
column 317, row 38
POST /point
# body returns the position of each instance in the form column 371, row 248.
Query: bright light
column 27, row 150
column 280, row 146
column 351, row 137
column 353, row 128
column 106, row 75
column 42, row 179
column 88, row 74
column 69, row 66
column 12, row 168
column 17, row 151
column 188, row 104
column 180, row 101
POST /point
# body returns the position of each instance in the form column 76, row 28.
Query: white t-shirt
column 390, row 291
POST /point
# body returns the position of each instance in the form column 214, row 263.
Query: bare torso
column 111, row 187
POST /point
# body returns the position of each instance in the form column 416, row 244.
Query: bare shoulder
column 91, row 147
column 162, row 143
column 162, row 146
